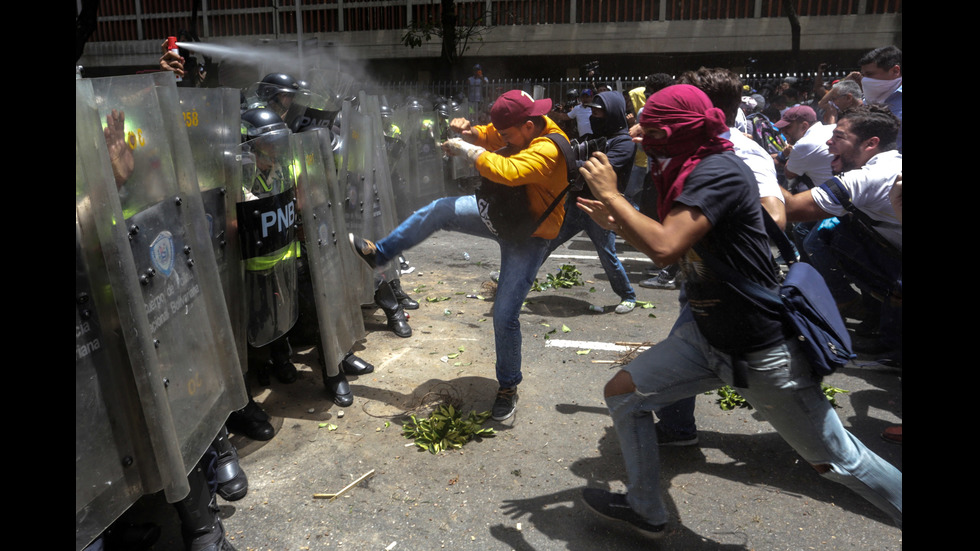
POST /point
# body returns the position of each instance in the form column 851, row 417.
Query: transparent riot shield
column 267, row 216
column 356, row 179
column 338, row 316
column 352, row 266
column 426, row 177
column 462, row 171
column 310, row 110
column 399, row 163
column 147, row 220
column 212, row 119
column 363, row 171
column 108, row 416
column 371, row 108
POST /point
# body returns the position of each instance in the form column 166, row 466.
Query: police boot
column 406, row 301
column 384, row 297
column 282, row 367
column 251, row 421
column 199, row 523
column 353, row 365
column 232, row 482
column 338, row 388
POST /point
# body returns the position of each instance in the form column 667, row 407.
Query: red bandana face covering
column 692, row 125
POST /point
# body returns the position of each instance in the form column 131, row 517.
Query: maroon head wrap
column 693, row 126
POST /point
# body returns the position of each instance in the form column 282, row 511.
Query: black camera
column 581, row 151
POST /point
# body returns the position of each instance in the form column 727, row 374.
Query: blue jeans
column 519, row 263
column 605, row 244
column 781, row 387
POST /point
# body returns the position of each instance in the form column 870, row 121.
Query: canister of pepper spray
column 172, row 46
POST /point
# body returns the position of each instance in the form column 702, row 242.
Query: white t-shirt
column 868, row 187
column 581, row 115
column 759, row 161
column 810, row 156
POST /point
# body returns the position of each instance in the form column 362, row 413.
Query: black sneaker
column 615, row 507
column 665, row 438
column 505, row 404
column 364, row 249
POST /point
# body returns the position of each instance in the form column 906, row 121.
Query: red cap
column 793, row 114
column 514, row 107
column 171, row 42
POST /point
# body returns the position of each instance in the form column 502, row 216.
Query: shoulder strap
column 566, row 152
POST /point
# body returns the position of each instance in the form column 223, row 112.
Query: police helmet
column 258, row 121
column 276, row 83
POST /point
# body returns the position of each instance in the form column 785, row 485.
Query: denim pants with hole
column 782, row 389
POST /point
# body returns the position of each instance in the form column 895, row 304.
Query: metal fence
column 123, row 20
column 557, row 89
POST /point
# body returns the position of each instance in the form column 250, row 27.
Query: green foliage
column 729, row 399
column 830, row 392
column 446, row 429
column 465, row 30
column 568, row 276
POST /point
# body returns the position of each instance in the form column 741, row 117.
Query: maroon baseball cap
column 514, row 107
column 793, row 114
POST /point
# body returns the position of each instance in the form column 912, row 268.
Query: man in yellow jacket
column 512, row 150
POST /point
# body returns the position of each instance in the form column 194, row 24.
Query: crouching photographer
column 611, row 136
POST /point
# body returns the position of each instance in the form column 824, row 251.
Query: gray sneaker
column 505, row 405
column 662, row 281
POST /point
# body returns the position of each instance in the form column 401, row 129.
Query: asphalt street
column 741, row 488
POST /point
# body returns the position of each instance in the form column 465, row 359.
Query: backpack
column 505, row 209
column 765, row 133
column 803, row 301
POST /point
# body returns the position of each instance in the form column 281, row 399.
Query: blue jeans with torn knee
column 519, row 264
column 782, row 388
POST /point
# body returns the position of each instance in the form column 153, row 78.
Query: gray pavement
column 742, row 488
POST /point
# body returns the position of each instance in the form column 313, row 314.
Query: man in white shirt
column 867, row 245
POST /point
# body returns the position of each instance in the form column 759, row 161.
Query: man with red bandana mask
column 708, row 204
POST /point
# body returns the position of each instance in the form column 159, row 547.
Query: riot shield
column 352, row 265
column 266, row 211
column 146, row 218
column 310, row 110
column 356, row 179
column 426, row 177
column 371, row 108
column 399, row 164
column 462, row 171
column 212, row 118
column 338, row 316
column 108, row 417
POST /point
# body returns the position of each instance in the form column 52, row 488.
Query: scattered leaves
column 445, row 429
column 567, row 276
